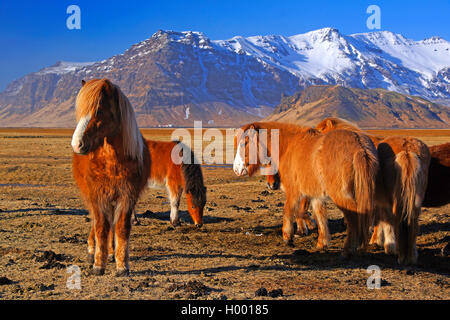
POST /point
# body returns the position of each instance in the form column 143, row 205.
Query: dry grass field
column 44, row 228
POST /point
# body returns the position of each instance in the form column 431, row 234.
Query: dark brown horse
column 438, row 189
column 110, row 166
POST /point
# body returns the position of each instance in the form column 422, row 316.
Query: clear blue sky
column 33, row 34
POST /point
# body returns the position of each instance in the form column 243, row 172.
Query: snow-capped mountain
column 367, row 60
column 173, row 78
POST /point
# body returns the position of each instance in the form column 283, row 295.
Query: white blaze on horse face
column 77, row 137
column 239, row 164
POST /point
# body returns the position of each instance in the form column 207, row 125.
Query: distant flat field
column 429, row 136
column 237, row 251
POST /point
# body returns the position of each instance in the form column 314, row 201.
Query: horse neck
column 285, row 134
column 113, row 148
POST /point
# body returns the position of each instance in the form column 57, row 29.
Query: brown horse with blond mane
column 169, row 170
column 404, row 163
column 110, row 167
column 341, row 165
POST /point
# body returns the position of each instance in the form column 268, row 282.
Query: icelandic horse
column 400, row 190
column 167, row 169
column 110, row 167
column 341, row 165
column 438, row 188
column 175, row 177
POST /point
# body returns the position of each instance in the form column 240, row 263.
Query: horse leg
column 351, row 242
column 377, row 235
column 322, row 223
column 134, row 219
column 304, row 221
column 175, row 196
column 111, row 245
column 101, row 243
column 288, row 219
column 122, row 232
column 413, row 228
column 387, row 226
column 91, row 244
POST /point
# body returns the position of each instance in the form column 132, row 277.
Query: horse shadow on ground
column 303, row 260
column 434, row 227
column 28, row 212
column 183, row 216
column 309, row 258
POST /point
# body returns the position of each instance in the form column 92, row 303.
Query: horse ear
column 330, row 123
column 83, row 83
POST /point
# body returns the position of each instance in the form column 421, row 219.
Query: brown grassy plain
column 238, row 251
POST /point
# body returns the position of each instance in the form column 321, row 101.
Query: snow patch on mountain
column 63, row 67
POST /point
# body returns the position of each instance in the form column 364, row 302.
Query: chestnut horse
column 404, row 163
column 438, row 189
column 177, row 177
column 110, row 167
column 341, row 165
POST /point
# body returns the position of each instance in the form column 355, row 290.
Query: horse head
column 98, row 115
column 246, row 160
column 273, row 181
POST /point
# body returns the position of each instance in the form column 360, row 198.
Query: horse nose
column 80, row 147
column 77, row 147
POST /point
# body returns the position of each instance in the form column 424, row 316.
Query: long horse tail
column 193, row 178
column 365, row 165
column 409, row 180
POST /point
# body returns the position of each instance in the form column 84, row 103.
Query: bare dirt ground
column 44, row 228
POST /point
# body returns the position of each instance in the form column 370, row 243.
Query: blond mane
column 88, row 102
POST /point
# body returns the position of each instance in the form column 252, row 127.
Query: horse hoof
column 289, row 243
column 122, row 273
column 111, row 258
column 321, row 246
column 175, row 223
column 389, row 248
column 98, row 271
column 90, row 258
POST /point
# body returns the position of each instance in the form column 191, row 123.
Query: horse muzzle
column 273, row 186
column 240, row 171
column 80, row 148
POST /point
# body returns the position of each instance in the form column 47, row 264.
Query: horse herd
column 370, row 179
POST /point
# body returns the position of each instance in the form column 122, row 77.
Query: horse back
column 162, row 167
